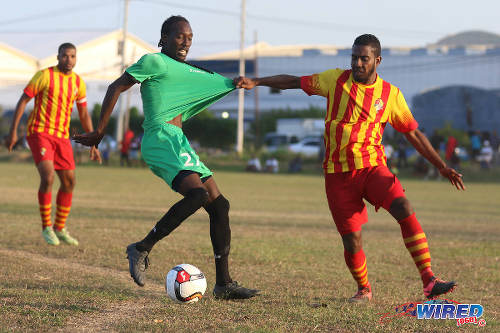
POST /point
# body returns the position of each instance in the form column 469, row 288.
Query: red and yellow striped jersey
column 54, row 94
column 356, row 117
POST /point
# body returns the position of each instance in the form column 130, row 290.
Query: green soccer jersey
column 170, row 88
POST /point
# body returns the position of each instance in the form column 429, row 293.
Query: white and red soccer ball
column 185, row 284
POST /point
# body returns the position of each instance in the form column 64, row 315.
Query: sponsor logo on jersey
column 192, row 70
column 379, row 104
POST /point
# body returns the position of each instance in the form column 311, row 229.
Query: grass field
column 284, row 243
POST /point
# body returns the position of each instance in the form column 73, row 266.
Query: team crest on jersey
column 379, row 104
column 42, row 151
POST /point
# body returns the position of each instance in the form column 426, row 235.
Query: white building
column 98, row 61
column 16, row 67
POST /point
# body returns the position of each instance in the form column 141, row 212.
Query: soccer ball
column 185, row 284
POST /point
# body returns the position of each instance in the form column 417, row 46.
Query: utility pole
column 126, row 117
column 120, row 124
column 256, row 92
column 241, row 92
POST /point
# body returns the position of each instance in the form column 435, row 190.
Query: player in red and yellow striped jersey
column 55, row 90
column 359, row 105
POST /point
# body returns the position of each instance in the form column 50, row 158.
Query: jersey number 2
column 188, row 161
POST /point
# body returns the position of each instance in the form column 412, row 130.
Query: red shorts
column 345, row 192
column 45, row 147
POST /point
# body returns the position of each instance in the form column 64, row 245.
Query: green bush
column 210, row 131
column 461, row 136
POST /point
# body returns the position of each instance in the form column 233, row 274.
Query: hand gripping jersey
column 170, row 88
column 356, row 117
column 55, row 93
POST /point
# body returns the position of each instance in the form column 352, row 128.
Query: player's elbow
column 113, row 86
column 411, row 135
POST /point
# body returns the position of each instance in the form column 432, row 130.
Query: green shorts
column 166, row 151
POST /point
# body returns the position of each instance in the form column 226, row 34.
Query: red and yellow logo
column 379, row 104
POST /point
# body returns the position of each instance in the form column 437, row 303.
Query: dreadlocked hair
column 166, row 27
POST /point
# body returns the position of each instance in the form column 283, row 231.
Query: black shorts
column 183, row 174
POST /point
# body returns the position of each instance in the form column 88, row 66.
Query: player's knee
column 400, row 208
column 47, row 180
column 352, row 248
column 218, row 207
column 68, row 184
column 197, row 196
column 221, row 204
column 352, row 242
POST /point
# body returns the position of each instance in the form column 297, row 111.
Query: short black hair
column 65, row 46
column 166, row 27
column 369, row 40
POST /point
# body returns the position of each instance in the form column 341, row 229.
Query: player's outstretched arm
column 121, row 84
column 282, row 81
column 424, row 147
column 86, row 121
column 20, row 107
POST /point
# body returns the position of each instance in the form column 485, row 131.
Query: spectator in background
column 272, row 165
column 435, row 140
column 402, row 157
column 451, row 144
column 295, row 165
column 389, row 153
column 495, row 145
column 125, row 147
column 253, row 165
column 105, row 147
column 475, row 142
column 485, row 155
column 451, row 154
column 135, row 148
column 78, row 150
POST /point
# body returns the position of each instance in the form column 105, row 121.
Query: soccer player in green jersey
column 173, row 91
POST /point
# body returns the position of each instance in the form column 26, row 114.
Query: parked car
column 275, row 141
column 309, row 146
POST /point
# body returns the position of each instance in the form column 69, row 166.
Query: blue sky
column 216, row 25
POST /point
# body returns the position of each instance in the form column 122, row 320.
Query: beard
column 365, row 76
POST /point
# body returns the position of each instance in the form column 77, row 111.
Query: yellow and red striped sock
column 45, row 204
column 63, row 207
column 357, row 265
column 416, row 243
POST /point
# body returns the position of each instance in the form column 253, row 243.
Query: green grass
column 284, row 243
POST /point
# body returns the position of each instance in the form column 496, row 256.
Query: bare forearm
column 121, row 84
column 86, row 120
column 20, row 107
column 282, row 81
column 424, row 147
column 108, row 104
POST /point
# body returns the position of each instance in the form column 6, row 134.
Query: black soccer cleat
column 233, row 290
column 138, row 263
column 437, row 287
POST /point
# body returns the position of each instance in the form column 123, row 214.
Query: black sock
column 220, row 234
column 184, row 208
